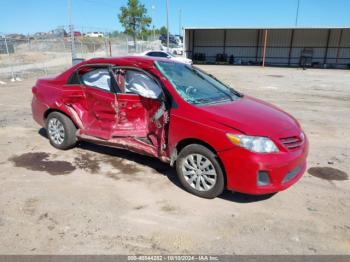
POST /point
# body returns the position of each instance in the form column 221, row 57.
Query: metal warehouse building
column 317, row 47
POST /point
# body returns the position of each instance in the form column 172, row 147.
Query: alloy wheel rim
column 199, row 172
column 56, row 131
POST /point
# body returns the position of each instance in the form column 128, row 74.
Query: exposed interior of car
column 123, row 80
column 121, row 102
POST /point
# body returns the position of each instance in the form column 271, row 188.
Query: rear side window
column 99, row 78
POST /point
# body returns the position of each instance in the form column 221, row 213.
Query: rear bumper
column 242, row 168
column 38, row 111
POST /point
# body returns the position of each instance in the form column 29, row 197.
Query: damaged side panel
column 141, row 119
column 132, row 116
column 73, row 99
column 121, row 120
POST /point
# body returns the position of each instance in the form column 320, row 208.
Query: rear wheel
column 61, row 131
column 200, row 172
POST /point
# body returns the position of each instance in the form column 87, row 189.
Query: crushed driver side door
column 141, row 114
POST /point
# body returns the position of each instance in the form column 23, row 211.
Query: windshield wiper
column 236, row 92
column 208, row 101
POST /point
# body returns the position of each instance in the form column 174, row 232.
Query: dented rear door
column 102, row 113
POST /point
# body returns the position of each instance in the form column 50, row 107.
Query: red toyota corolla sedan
column 215, row 136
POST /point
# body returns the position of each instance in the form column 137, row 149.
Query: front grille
column 292, row 142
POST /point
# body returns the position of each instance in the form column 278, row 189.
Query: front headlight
column 256, row 144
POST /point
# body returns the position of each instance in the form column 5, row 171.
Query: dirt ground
column 96, row 200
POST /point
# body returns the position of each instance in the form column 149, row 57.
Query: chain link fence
column 49, row 53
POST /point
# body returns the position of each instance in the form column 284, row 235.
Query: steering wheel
column 191, row 89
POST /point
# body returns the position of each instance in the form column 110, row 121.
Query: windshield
column 195, row 86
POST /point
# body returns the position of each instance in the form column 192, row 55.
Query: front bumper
column 283, row 168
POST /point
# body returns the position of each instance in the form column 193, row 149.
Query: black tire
column 69, row 129
column 219, row 185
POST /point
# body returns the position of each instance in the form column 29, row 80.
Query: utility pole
column 264, row 50
column 180, row 22
column 297, row 14
column 154, row 30
column 167, row 25
column 71, row 28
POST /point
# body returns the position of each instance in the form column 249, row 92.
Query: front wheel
column 61, row 131
column 200, row 172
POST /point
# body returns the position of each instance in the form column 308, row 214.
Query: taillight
column 34, row 90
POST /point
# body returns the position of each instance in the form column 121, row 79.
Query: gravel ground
column 96, row 200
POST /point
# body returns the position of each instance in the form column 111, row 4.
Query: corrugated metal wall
column 330, row 47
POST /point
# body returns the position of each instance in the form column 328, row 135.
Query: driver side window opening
column 132, row 81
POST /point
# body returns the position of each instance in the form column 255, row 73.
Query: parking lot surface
column 97, row 200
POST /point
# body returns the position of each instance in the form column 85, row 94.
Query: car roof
column 142, row 62
column 125, row 60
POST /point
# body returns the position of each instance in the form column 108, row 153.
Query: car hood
column 252, row 117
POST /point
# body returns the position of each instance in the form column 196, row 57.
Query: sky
column 30, row 16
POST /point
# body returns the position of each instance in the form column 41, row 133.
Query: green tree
column 134, row 19
column 163, row 30
column 145, row 33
